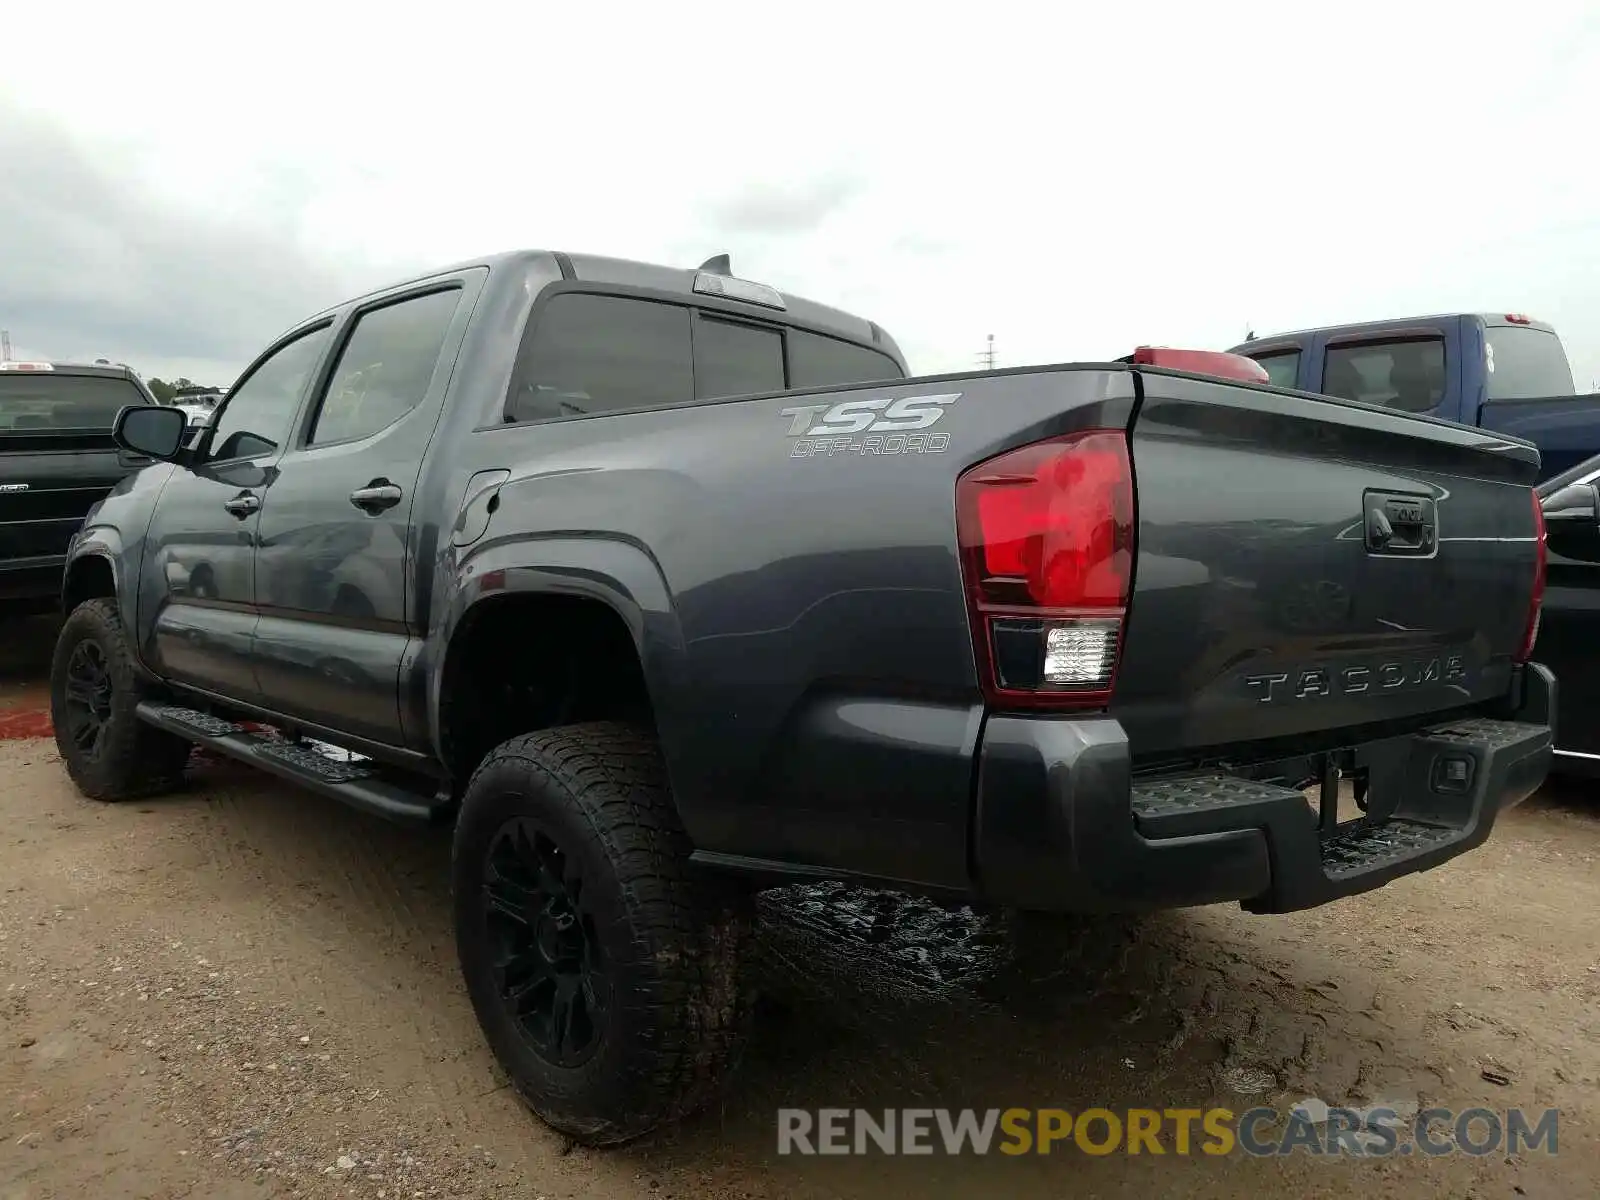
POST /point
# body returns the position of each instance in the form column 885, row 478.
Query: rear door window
column 733, row 358
column 1283, row 369
column 1404, row 373
column 1522, row 361
column 386, row 366
column 595, row 354
column 816, row 361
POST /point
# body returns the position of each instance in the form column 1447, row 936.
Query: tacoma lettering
column 1353, row 681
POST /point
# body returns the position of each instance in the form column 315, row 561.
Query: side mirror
column 151, row 430
column 1572, row 521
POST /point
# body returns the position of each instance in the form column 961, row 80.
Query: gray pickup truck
column 661, row 587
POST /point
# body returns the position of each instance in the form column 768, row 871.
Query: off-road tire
column 671, row 937
column 128, row 759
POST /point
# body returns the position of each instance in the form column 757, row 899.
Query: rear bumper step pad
column 1062, row 824
column 1433, row 795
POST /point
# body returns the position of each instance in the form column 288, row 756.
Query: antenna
column 987, row 357
column 717, row 264
column 5, row 345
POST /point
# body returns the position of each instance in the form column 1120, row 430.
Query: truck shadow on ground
column 26, row 644
column 1568, row 796
column 878, row 1000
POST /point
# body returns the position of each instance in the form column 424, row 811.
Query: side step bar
column 354, row 783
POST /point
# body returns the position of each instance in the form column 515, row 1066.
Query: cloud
column 784, row 209
column 97, row 264
column 1076, row 180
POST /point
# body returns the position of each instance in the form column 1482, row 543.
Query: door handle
column 243, row 504
column 376, row 496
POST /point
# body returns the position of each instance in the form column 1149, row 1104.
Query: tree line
column 165, row 390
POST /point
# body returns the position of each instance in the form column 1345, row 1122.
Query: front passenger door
column 197, row 590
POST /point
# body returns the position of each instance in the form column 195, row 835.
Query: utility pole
column 5, row 345
column 987, row 357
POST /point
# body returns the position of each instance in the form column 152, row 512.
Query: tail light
column 1530, row 635
column 1046, row 534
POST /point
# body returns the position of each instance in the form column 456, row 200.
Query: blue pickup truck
column 1503, row 372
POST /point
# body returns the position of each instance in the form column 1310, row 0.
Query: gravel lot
column 243, row 990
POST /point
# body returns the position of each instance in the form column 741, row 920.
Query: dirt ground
column 244, row 991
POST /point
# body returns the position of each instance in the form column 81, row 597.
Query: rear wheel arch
column 521, row 661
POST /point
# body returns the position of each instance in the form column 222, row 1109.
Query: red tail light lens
column 1530, row 635
column 1046, row 535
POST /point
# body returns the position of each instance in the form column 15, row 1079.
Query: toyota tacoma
column 659, row 587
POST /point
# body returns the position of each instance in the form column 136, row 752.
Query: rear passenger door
column 337, row 569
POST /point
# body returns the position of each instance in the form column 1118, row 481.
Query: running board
column 355, row 783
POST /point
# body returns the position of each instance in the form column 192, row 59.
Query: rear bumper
column 1062, row 824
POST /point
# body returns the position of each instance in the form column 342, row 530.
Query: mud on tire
column 109, row 753
column 604, row 969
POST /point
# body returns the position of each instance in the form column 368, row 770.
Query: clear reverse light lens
column 1080, row 654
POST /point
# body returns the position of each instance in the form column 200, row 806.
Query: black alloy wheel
column 602, row 963
column 88, row 697
column 550, row 967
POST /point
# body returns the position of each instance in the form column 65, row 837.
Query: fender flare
column 614, row 571
column 102, row 542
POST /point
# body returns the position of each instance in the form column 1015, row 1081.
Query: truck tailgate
column 1310, row 566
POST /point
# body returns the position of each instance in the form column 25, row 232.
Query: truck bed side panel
column 828, row 705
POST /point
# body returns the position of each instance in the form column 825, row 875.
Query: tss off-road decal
column 880, row 426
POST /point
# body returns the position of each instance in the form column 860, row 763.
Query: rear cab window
column 49, row 400
column 1524, row 361
column 816, row 361
column 1407, row 373
column 589, row 352
column 732, row 358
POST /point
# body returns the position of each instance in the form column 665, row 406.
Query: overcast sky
column 176, row 191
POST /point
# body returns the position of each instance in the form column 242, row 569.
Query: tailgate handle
column 1398, row 524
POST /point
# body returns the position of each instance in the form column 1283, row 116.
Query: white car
column 198, row 410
